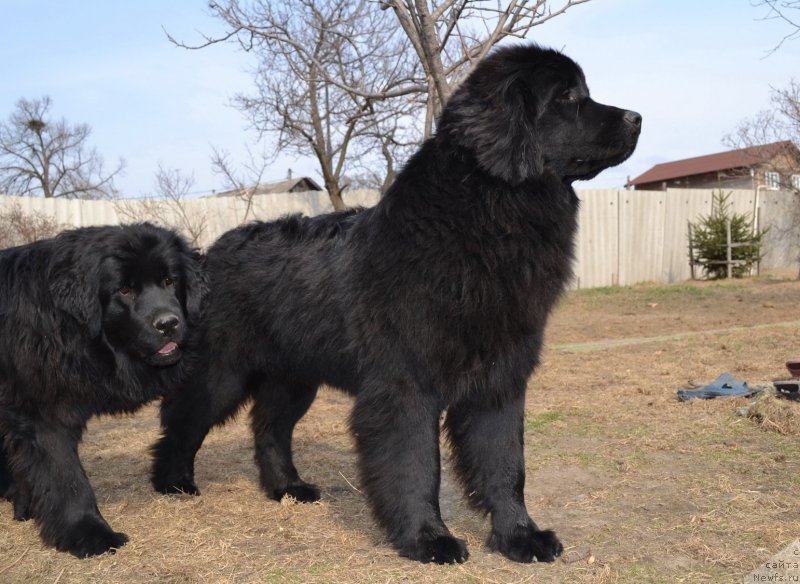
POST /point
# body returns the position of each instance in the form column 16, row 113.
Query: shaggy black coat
column 94, row 321
column 435, row 299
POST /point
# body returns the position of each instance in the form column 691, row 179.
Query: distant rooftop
column 291, row 185
column 741, row 158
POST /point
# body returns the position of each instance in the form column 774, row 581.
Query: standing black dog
column 93, row 321
column 434, row 299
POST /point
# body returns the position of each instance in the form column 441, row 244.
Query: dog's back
column 289, row 229
column 283, row 278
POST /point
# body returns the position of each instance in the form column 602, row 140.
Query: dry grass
column 776, row 414
column 639, row 486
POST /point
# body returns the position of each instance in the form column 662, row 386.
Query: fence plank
column 781, row 213
column 642, row 215
column 597, row 249
column 682, row 207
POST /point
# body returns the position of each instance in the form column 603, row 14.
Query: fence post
column 691, row 252
column 729, row 249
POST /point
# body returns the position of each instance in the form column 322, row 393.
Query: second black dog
column 94, row 321
column 434, row 299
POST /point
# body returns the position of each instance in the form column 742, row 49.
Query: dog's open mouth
column 168, row 349
column 169, row 354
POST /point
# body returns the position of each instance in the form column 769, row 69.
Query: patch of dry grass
column 641, row 487
column 776, row 414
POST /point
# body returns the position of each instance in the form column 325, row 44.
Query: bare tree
column 168, row 205
column 18, row 227
column 322, row 67
column 243, row 181
column 450, row 36
column 779, row 123
column 447, row 37
column 50, row 158
column 787, row 11
column 326, row 66
column 173, row 187
column 395, row 139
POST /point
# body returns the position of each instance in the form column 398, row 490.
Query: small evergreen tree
column 709, row 239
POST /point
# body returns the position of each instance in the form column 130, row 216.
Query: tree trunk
column 335, row 193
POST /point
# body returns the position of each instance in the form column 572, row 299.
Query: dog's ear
column 196, row 280
column 73, row 277
column 496, row 119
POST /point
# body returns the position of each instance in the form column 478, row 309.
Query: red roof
column 744, row 157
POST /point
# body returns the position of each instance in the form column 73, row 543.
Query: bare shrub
column 18, row 227
column 168, row 206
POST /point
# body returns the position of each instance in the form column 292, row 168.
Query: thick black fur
column 93, row 321
column 435, row 299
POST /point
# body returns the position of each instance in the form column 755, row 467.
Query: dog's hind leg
column 45, row 458
column 397, row 436
column 186, row 418
column 487, row 442
column 20, row 495
column 277, row 408
column 6, row 480
column 13, row 490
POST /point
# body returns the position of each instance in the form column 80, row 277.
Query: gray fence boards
column 641, row 236
column 598, row 239
column 624, row 237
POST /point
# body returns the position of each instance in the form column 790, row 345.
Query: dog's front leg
column 487, row 440
column 44, row 458
column 397, row 436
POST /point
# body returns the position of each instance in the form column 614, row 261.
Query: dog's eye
column 125, row 291
column 567, row 97
column 168, row 282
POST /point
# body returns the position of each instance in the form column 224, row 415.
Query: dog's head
column 139, row 286
column 524, row 111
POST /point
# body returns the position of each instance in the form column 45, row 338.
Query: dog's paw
column 184, row 485
column 303, row 492
column 439, row 549
column 22, row 510
column 21, row 504
column 527, row 544
column 91, row 537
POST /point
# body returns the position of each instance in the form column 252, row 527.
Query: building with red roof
column 774, row 166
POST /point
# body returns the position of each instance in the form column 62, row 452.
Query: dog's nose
column 166, row 322
column 633, row 119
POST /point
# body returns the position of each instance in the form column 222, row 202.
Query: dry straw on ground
column 650, row 489
column 776, row 414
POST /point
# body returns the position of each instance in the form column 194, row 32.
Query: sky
column 694, row 69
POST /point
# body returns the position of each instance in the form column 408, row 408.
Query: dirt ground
column 639, row 486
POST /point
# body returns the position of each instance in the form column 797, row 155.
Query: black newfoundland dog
column 93, row 321
column 435, row 299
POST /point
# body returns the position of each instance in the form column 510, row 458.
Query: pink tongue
column 168, row 348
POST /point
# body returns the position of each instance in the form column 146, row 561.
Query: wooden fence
column 625, row 237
